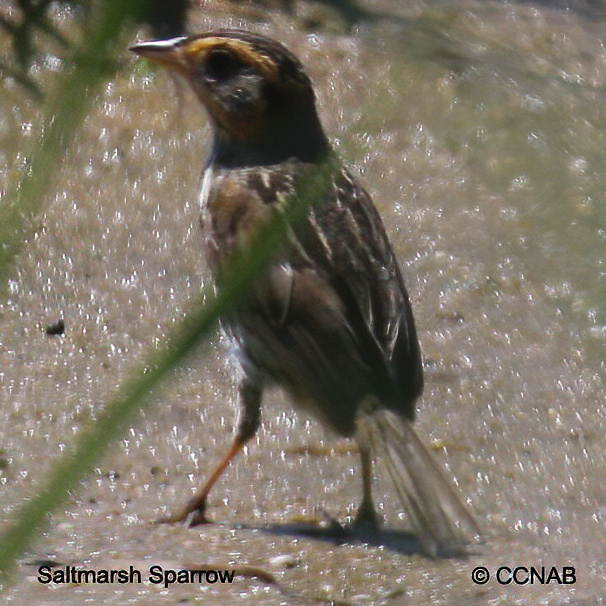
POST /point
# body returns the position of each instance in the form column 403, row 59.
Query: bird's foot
column 366, row 522
column 193, row 514
column 366, row 519
column 333, row 526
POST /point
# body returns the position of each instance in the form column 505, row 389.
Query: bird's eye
column 222, row 65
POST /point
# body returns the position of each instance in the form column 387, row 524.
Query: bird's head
column 257, row 94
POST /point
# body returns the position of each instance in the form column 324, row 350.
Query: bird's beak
column 168, row 53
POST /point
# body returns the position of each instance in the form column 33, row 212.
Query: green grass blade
column 75, row 91
column 244, row 266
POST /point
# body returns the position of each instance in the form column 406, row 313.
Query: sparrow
column 330, row 320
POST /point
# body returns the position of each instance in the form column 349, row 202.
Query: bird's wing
column 348, row 245
column 333, row 304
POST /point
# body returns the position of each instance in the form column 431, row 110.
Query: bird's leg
column 194, row 512
column 366, row 518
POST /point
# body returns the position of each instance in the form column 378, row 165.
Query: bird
column 330, row 320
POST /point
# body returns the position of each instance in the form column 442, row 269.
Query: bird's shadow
column 399, row 541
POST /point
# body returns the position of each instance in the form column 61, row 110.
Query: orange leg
column 194, row 512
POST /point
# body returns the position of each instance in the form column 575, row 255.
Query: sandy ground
column 479, row 132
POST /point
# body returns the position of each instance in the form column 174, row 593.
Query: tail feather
column 438, row 516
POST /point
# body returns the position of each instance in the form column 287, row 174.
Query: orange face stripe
column 242, row 50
